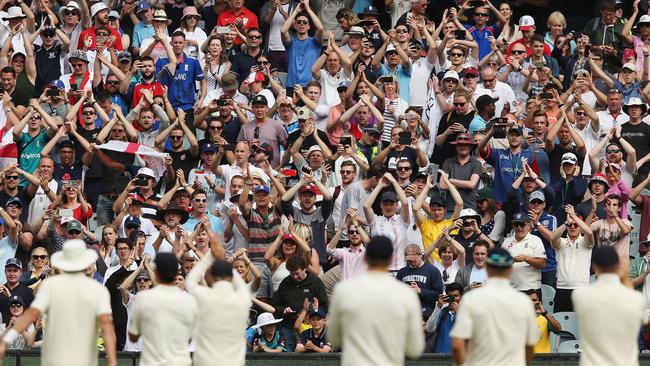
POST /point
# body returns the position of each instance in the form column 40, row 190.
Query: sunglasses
column 48, row 35
column 481, row 15
column 518, row 52
column 580, row 113
column 12, row 177
column 15, row 306
column 303, row 22
column 347, row 172
column 391, row 53
column 403, row 168
column 69, row 13
column 175, row 137
column 492, row 63
column 613, row 151
column 216, row 127
column 101, row 34
column 39, row 257
column 141, row 279
column 77, row 232
column 263, row 62
column 35, row 117
column 88, row 113
column 255, row 37
column 519, row 224
column 456, row 55
column 14, row 205
column 200, row 200
column 470, row 76
column 113, row 82
column 352, row 232
column 460, row 104
column 572, row 225
column 401, row 30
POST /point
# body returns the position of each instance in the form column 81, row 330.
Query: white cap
column 146, row 171
column 526, row 23
column 390, row 48
column 629, row 66
column 644, row 19
column 570, row 158
column 451, row 74
column 313, row 148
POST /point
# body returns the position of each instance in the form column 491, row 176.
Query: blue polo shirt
column 507, row 167
column 481, row 37
column 549, row 222
column 182, row 85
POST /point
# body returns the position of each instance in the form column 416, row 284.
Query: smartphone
column 306, row 170
column 52, row 92
column 386, row 79
column 365, row 23
column 404, row 138
column 546, row 96
column 460, row 34
column 65, row 212
column 74, row 183
column 74, row 87
column 587, row 50
column 142, row 182
column 229, row 147
column 346, row 141
column 223, row 30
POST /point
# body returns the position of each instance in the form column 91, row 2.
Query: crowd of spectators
column 294, row 131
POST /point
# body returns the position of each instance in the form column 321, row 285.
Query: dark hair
column 379, row 251
column 605, row 257
column 314, row 83
column 221, row 269
column 534, row 291
column 147, row 58
column 296, row 262
column 199, row 191
column 376, row 169
column 123, row 241
column 614, row 197
column 350, row 164
column 454, row 286
column 166, row 267
column 537, row 38
column 103, row 95
column 8, row 70
column 254, row 29
column 608, row 5
column 481, row 243
column 179, row 34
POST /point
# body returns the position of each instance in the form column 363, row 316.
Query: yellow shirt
column 544, row 343
column 431, row 230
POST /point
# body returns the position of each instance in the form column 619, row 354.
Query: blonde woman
column 39, row 267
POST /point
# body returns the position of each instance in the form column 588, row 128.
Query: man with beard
column 133, row 90
column 486, row 111
column 168, row 239
column 464, row 171
column 422, row 277
column 68, row 168
column 99, row 13
column 146, row 112
column 183, row 159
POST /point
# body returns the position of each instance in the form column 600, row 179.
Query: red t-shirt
column 529, row 50
column 155, row 87
column 249, row 19
column 90, row 32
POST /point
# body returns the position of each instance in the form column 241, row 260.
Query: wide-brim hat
column 600, row 178
column 97, row 7
column 15, row 12
column 469, row 213
column 635, row 102
column 70, row 6
column 463, row 139
column 190, row 10
column 266, row 319
column 74, row 257
column 173, row 208
column 161, row 16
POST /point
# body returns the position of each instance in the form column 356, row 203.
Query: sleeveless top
column 280, row 274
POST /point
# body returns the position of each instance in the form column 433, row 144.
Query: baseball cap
column 357, row 31
column 57, row 84
column 262, row 188
column 229, row 82
column 343, row 85
column 124, row 56
column 16, row 201
column 629, row 66
column 389, row 196
column 569, row 158
column 390, row 48
column 66, row 143
column 208, row 147
column 146, row 171
column 303, row 113
column 520, row 217
column 132, row 221
column 436, row 199
column 15, row 299
column 537, row 195
column 74, row 225
column 136, row 197
column 484, row 193
column 372, row 130
column 485, row 100
column 14, row 262
column 499, row 257
column 517, row 129
column 259, row 99
column 644, row 19
column 114, row 14
column 309, row 188
column 312, row 149
column 616, row 166
column 143, row 274
column 470, row 70
column 526, row 23
column 451, row 74
column 144, row 5
column 318, row 312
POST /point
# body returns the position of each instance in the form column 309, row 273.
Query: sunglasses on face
column 102, row 34
column 459, row 104
column 141, row 279
column 572, row 225
column 66, row 13
column 613, row 151
column 175, row 137
column 401, row 30
column 216, row 127
column 35, row 117
column 403, row 168
column 200, row 200
column 456, row 55
column 39, row 257
column 12, row 177
column 492, row 63
column 347, row 172
column 580, row 113
column 352, row 232
column 471, row 76
column 262, row 62
column 518, row 52
column 88, row 113
column 481, row 15
column 255, row 37
column 113, row 82
column 76, row 232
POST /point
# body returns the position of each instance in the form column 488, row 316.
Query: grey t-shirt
column 463, row 172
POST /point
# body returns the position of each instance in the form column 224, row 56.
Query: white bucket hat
column 266, row 319
column 74, row 257
column 96, row 8
column 70, row 6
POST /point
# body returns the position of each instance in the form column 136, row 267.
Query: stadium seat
column 548, row 296
column 569, row 331
column 570, row 347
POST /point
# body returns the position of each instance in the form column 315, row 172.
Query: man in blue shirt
column 144, row 29
column 444, row 317
column 481, row 31
column 302, row 50
column 507, row 163
column 544, row 226
column 397, row 64
column 180, row 73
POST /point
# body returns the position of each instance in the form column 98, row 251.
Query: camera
column 52, row 92
column 460, row 34
column 404, row 138
column 223, row 102
column 450, row 299
column 500, row 126
column 546, row 96
column 346, row 141
column 142, row 182
column 467, row 222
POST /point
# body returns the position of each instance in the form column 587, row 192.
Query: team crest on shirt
column 187, row 67
column 183, row 157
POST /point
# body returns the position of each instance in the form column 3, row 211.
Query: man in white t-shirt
column 609, row 314
column 613, row 115
column 496, row 89
column 165, row 317
column 389, row 224
column 74, row 305
column 495, row 323
column 420, row 70
column 528, row 253
column 573, row 256
column 240, row 167
column 338, row 69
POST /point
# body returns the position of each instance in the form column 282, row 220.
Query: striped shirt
column 262, row 229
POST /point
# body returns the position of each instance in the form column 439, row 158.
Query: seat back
column 570, row 347
column 548, row 298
